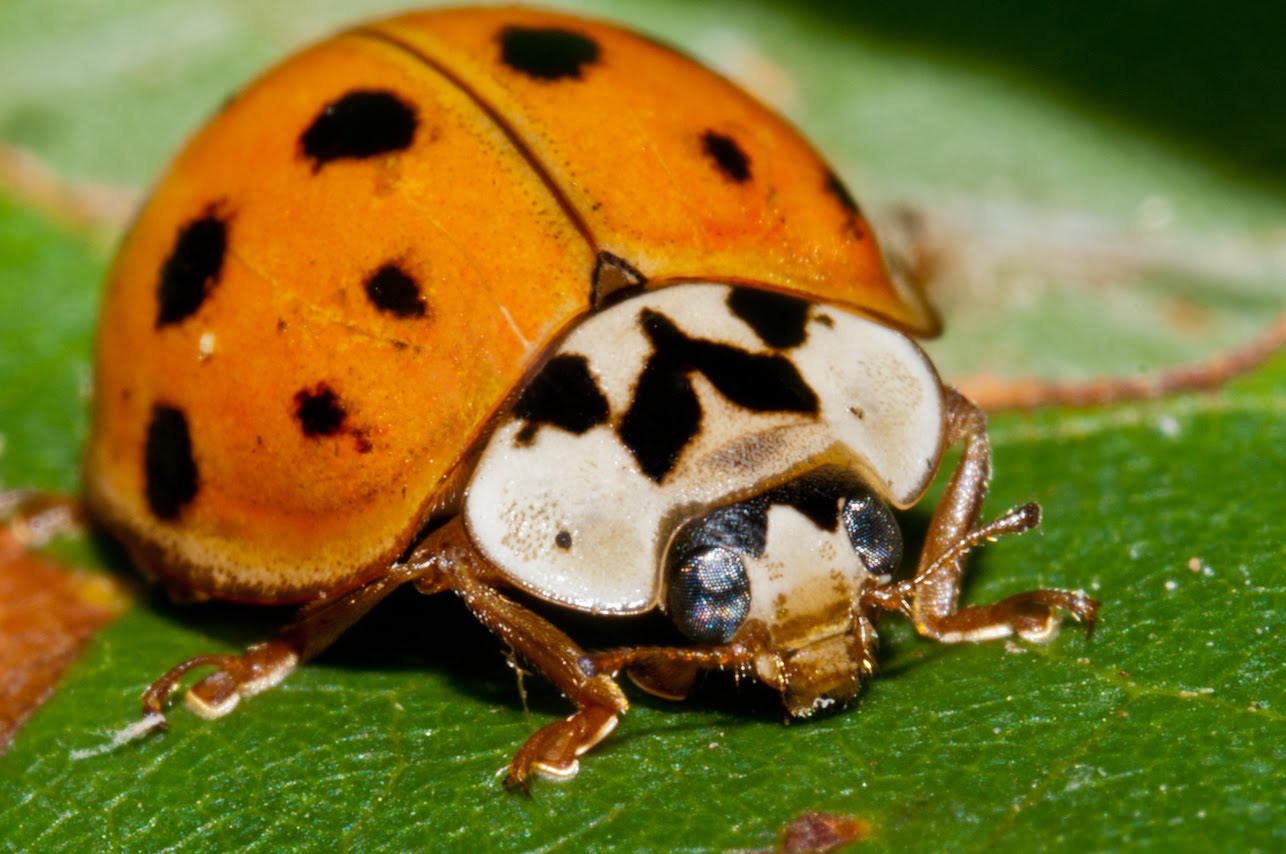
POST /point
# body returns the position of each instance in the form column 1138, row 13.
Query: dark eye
column 709, row 594
column 874, row 534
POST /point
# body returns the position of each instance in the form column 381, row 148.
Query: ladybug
column 497, row 300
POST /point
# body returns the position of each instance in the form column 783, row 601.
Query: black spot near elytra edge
column 665, row 414
column 564, row 395
column 727, row 155
column 170, row 473
column 547, row 53
column 392, row 290
column 193, row 267
column 779, row 320
column 563, row 539
column 357, row 125
column 319, row 411
column 836, row 188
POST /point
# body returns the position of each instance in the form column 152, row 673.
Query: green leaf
column 1164, row 731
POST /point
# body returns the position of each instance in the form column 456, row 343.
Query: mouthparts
column 820, row 667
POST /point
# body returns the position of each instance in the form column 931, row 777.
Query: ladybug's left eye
column 709, row 594
column 874, row 533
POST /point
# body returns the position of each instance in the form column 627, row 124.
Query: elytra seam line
column 512, row 135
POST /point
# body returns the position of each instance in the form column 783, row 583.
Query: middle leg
column 448, row 560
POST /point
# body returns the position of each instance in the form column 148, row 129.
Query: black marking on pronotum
column 727, row 155
column 665, row 414
column 193, row 267
column 357, row 125
column 614, row 279
column 391, row 289
column 779, row 320
column 564, row 395
column 547, row 53
column 319, row 411
column 170, row 473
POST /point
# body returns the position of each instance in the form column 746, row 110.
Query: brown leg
column 670, row 672
column 446, row 560
column 264, row 665
column 449, row 561
column 931, row 598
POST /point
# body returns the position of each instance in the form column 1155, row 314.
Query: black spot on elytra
column 193, row 268
column 563, row 539
column 779, row 320
column 547, row 53
column 836, row 188
column 563, row 394
column 727, row 155
column 319, row 411
column 665, row 414
column 170, row 474
column 392, row 290
column 357, row 125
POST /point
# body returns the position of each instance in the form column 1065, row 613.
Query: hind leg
column 264, row 665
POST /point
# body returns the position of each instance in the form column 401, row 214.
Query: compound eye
column 874, row 534
column 709, row 595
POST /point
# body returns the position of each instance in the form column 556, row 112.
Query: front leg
column 448, row 560
column 932, row 597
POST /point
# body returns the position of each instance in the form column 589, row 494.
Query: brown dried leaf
column 47, row 614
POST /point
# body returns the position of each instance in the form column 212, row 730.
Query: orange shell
column 301, row 432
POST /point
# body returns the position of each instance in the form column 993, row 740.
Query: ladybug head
column 783, row 573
